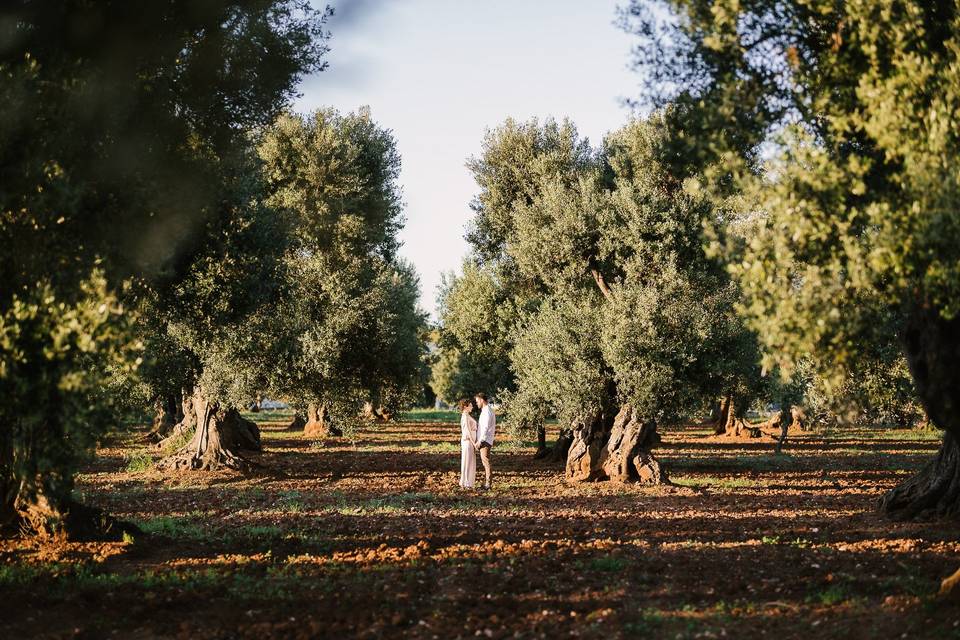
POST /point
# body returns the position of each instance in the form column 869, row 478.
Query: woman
column 468, row 452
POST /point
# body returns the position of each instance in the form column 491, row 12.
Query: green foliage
column 121, row 148
column 603, row 261
column 851, row 232
column 139, row 462
column 54, row 354
column 476, row 315
column 351, row 330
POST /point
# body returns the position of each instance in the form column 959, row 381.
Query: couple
column 473, row 437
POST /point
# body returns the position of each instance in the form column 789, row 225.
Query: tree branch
column 604, row 288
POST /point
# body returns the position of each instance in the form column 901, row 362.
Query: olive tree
column 353, row 328
column 115, row 116
column 476, row 315
column 632, row 323
column 855, row 221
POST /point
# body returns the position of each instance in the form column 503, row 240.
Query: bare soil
column 370, row 537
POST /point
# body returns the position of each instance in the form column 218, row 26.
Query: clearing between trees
column 370, row 537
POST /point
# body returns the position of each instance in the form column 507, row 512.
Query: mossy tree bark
column 220, row 434
column 186, row 425
column 617, row 450
column 932, row 347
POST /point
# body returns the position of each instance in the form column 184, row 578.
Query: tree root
column 934, row 492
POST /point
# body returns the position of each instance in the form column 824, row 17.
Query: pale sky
column 439, row 73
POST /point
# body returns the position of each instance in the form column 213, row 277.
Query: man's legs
column 485, row 459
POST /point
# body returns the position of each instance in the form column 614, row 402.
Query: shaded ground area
column 370, row 537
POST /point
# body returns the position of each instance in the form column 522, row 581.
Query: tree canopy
column 854, row 237
column 602, row 254
column 121, row 123
column 353, row 327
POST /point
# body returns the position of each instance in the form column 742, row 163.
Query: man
column 486, row 427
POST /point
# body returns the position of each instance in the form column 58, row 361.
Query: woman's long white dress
column 468, row 453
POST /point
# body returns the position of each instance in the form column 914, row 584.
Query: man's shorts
column 485, row 445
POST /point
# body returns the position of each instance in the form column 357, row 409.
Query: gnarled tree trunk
column 558, row 452
column 185, row 427
column 375, row 413
column 221, row 433
column 319, row 424
column 932, row 348
column 166, row 416
column 561, row 448
column 729, row 421
column 798, row 418
column 619, row 450
column 541, row 442
column 38, row 501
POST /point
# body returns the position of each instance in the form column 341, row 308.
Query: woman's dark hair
column 481, row 395
column 464, row 403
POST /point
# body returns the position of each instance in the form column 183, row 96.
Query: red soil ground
column 371, row 538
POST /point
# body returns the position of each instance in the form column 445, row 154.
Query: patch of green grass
column 290, row 502
column 67, row 581
column 139, row 461
column 430, row 415
column 258, row 532
column 173, row 527
column 647, row 621
column 270, row 415
column 388, row 504
column 834, row 594
column 18, row 575
column 717, row 481
column 911, row 585
column 175, row 444
column 763, row 462
column 607, row 563
column 439, row 447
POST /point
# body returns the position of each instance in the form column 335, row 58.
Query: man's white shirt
column 487, row 425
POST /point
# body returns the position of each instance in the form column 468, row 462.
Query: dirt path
column 372, row 538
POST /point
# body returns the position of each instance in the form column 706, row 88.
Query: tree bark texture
column 319, row 424
column 556, row 453
column 619, row 451
column 541, row 442
column 220, row 434
column 39, row 503
column 729, row 421
column 185, row 427
column 561, row 448
column 932, row 347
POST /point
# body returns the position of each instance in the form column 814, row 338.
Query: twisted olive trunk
column 220, row 434
column 730, row 421
column 318, row 423
column 932, row 348
column 167, row 414
column 619, row 451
